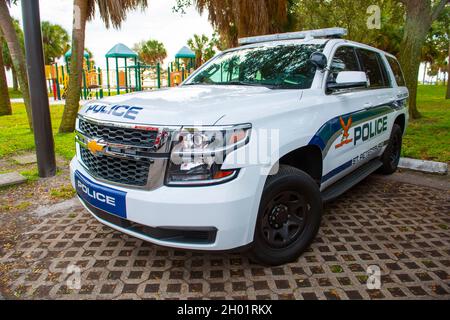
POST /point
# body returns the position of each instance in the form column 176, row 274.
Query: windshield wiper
column 243, row 83
column 236, row 83
column 285, row 86
column 197, row 84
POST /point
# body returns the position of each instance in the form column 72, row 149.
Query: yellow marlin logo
column 95, row 147
column 345, row 135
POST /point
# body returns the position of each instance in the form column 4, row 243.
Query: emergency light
column 319, row 33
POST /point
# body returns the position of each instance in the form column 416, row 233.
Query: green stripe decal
column 331, row 130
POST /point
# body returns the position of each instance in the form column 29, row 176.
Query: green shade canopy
column 185, row 53
column 121, row 51
column 69, row 54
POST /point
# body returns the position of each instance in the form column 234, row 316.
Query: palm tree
column 112, row 12
column 235, row 19
column 8, row 64
column 151, row 52
column 5, row 103
column 55, row 40
column 203, row 47
column 17, row 54
column 447, row 94
column 7, row 56
column 420, row 16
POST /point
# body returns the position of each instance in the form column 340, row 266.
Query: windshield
column 281, row 66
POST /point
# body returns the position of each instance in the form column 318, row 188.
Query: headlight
column 198, row 154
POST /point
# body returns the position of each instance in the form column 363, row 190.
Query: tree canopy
column 204, row 47
column 234, row 19
column 436, row 48
column 151, row 52
column 55, row 40
column 315, row 14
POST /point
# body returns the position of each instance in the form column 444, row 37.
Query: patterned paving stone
column 401, row 228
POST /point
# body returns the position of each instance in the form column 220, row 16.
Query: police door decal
column 103, row 198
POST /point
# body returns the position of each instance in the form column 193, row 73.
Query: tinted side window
column 372, row 66
column 386, row 78
column 397, row 70
column 345, row 59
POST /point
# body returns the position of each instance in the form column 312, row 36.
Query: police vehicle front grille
column 134, row 137
column 117, row 170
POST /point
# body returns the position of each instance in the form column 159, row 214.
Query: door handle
column 393, row 99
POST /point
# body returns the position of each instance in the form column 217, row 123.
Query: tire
column 289, row 217
column 391, row 156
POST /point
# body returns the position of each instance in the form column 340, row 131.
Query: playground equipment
column 58, row 78
column 86, row 55
column 91, row 78
column 128, row 75
column 122, row 52
column 187, row 57
column 55, row 75
column 183, row 66
column 132, row 75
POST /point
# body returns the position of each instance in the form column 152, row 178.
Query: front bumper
column 230, row 209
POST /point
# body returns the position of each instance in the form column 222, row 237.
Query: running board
column 350, row 181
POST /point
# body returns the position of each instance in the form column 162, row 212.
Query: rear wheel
column 289, row 217
column 391, row 156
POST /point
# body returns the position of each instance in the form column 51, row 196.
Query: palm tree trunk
column 14, row 79
column 418, row 22
column 5, row 103
column 76, row 68
column 17, row 55
column 448, row 75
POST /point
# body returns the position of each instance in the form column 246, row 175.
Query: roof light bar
column 319, row 33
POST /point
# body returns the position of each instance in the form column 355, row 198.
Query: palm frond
column 114, row 12
column 241, row 18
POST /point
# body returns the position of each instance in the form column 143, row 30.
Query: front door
column 360, row 123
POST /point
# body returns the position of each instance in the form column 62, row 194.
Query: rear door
column 401, row 91
column 377, row 117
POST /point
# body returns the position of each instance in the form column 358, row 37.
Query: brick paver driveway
column 400, row 227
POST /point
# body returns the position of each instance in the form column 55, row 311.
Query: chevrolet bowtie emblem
column 95, row 146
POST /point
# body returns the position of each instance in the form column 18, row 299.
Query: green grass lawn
column 428, row 138
column 15, row 135
column 14, row 94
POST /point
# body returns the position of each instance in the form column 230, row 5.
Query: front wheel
column 289, row 217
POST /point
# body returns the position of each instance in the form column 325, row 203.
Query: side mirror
column 319, row 60
column 349, row 80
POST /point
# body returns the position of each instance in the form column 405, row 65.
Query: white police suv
column 246, row 151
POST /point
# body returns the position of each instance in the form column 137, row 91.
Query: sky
column 158, row 22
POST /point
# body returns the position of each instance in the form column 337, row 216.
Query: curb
column 424, row 166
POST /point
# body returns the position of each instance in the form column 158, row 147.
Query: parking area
column 400, row 225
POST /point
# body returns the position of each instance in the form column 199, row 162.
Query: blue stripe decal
column 322, row 138
column 331, row 127
column 317, row 141
column 336, row 171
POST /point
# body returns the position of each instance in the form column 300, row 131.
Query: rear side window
column 374, row 68
column 397, row 70
column 344, row 59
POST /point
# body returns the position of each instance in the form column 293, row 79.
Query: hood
column 191, row 105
